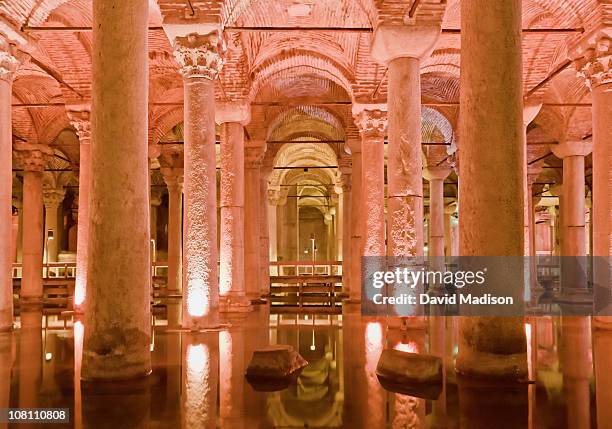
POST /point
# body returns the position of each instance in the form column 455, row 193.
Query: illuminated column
column 232, row 117
column 436, row 177
column 594, row 64
column 272, row 225
column 33, row 157
column 80, row 120
column 264, row 234
column 173, row 176
column 8, row 65
column 602, row 350
column 200, row 59
column 372, row 123
column 155, row 201
column 346, row 230
column 252, row 194
column 490, row 217
column 401, row 47
column 52, row 199
column 117, row 325
column 449, row 229
column 529, row 114
column 355, row 222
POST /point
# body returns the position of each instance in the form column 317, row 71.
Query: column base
column 482, row 365
column 603, row 323
column 575, row 302
column 234, row 304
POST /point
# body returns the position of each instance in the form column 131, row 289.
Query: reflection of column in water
column 6, row 364
column 173, row 371
column 231, row 373
column 437, row 347
column 200, row 381
column 576, row 368
column 373, row 406
column 255, row 335
column 30, row 357
column 602, row 350
column 77, row 416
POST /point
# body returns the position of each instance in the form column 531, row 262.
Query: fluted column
column 173, row 176
column 436, row 177
column 355, row 221
column 252, row 260
column 80, row 118
column 33, row 157
column 8, row 66
column 52, row 199
column 232, row 117
column 491, row 217
column 200, row 59
column 372, row 124
column 594, row 63
column 401, row 47
column 117, row 326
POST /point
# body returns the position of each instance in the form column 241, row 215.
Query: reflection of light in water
column 410, row 347
column 529, row 351
column 225, row 373
column 78, row 359
column 197, row 386
column 198, row 299
column 373, row 348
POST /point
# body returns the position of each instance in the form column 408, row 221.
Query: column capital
column 8, row 62
column 200, row 55
column 53, row 197
column 404, row 41
column 371, row 120
column 436, row 172
column 233, row 111
column 80, row 119
column 33, row 156
column 594, row 58
column 173, row 176
column 530, row 111
column 571, row 148
column 276, row 196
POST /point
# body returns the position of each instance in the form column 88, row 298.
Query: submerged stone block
column 412, row 374
column 274, row 367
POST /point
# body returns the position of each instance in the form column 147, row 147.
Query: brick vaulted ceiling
column 300, row 83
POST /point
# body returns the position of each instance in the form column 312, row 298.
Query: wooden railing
column 304, row 268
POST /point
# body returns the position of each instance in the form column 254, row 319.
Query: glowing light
column 373, row 334
column 198, row 298
column 529, row 348
column 48, row 356
column 197, row 386
column 410, row 347
column 79, row 292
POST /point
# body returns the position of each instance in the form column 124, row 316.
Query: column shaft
column 404, row 158
column 574, row 233
column 31, row 282
column 116, row 342
column 346, row 238
column 356, row 224
column 436, row 217
column 252, row 247
column 491, row 218
column 264, row 238
column 175, row 238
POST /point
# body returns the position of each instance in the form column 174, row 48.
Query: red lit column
column 52, row 199
column 264, row 231
column 200, row 61
column 172, row 171
column 232, row 117
column 490, row 217
column 345, row 223
column 33, row 157
column 8, row 65
column 401, row 47
column 355, row 221
column 117, row 325
column 252, row 195
column 436, row 177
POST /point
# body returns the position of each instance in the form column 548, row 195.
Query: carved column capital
column 81, row 121
column 33, row 156
column 253, row 157
column 595, row 60
column 276, row 196
column 572, row 148
column 173, row 176
column 200, row 55
column 8, row 62
column 53, row 197
column 372, row 123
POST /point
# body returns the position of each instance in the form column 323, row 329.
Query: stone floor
column 198, row 379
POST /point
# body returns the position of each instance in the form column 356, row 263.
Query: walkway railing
column 304, row 268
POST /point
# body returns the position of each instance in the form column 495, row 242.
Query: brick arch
column 164, row 123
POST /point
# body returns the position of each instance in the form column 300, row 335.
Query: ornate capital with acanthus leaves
column 371, row 123
column 200, row 55
column 8, row 63
column 595, row 63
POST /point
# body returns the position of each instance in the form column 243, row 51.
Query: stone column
column 346, row 232
column 155, row 201
column 232, row 117
column 8, row 65
column 401, row 47
column 252, row 261
column 200, row 61
column 436, row 177
column 449, row 228
column 355, row 222
column 80, row 118
column 491, row 218
column 574, row 281
column 117, row 326
column 264, row 237
column 594, row 64
column 529, row 113
column 33, row 157
column 372, row 123
column 52, row 199
column 173, row 176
